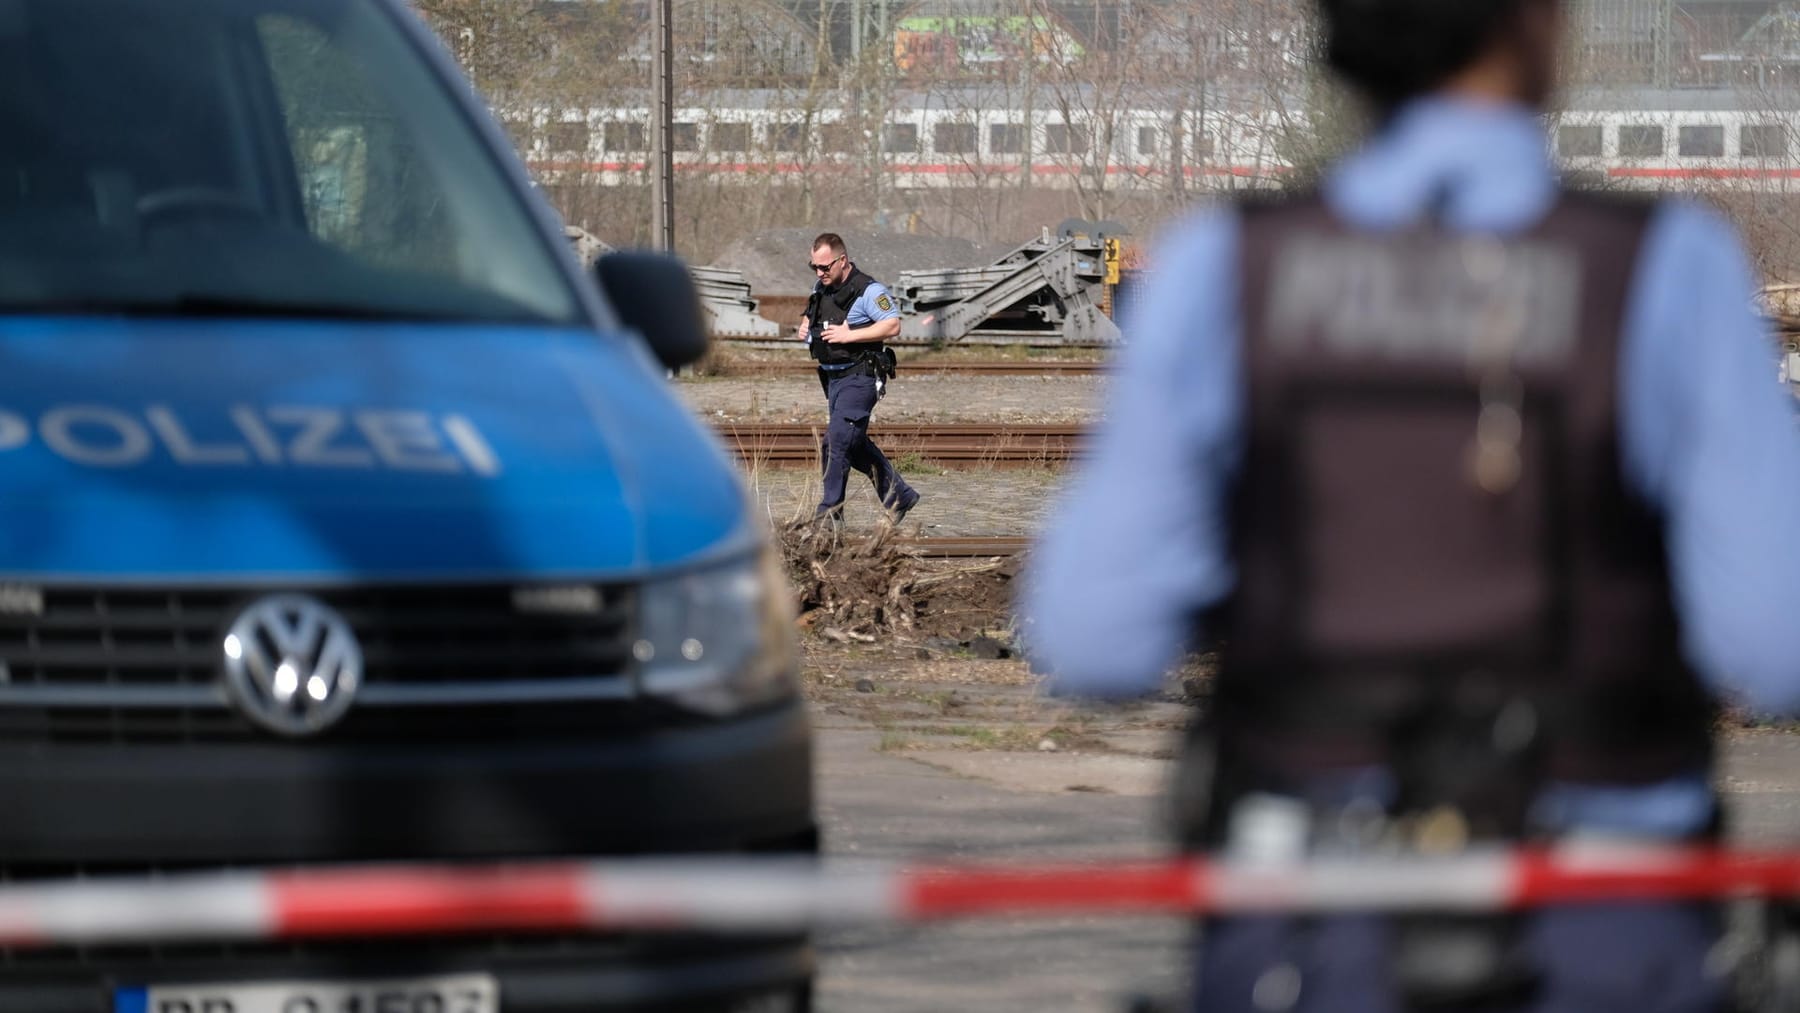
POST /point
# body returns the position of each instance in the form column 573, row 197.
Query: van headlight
column 720, row 640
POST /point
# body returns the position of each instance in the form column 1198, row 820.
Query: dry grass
column 801, row 501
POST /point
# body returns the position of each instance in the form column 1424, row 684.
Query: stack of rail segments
column 730, row 309
column 724, row 295
column 1780, row 306
column 586, row 245
column 1049, row 291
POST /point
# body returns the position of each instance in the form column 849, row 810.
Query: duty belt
column 861, row 367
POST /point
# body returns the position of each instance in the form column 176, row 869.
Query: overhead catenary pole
column 1665, row 30
column 662, row 116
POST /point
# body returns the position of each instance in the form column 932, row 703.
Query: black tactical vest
column 833, row 307
column 1380, row 563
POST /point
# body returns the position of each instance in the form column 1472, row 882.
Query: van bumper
column 744, row 784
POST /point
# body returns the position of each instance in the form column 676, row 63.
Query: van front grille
column 129, row 665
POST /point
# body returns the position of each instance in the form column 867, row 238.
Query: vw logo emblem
column 291, row 664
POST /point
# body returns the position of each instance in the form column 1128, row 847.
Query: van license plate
column 463, row 993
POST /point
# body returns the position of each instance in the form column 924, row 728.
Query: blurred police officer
column 848, row 318
column 1483, row 489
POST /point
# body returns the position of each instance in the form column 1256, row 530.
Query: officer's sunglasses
column 822, row 268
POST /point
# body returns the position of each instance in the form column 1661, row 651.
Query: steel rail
column 968, row 547
column 976, row 339
column 990, row 367
column 786, row 443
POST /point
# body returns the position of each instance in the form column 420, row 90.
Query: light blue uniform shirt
column 1707, row 436
column 876, row 303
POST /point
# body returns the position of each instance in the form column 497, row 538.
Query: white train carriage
column 1696, row 140
column 919, row 145
column 1680, row 148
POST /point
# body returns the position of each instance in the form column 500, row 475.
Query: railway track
column 792, row 443
column 1015, row 340
column 969, row 548
column 984, row 367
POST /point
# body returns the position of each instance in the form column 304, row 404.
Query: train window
column 1763, row 140
column 684, row 136
column 1203, row 145
column 1065, row 139
column 837, row 138
column 1579, row 141
column 1006, row 138
column 787, row 135
column 568, row 136
column 953, row 139
column 730, row 137
column 625, row 137
column 519, row 132
column 1640, row 140
column 902, row 138
column 1701, row 142
column 1146, row 141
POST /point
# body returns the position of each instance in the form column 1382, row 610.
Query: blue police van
column 344, row 518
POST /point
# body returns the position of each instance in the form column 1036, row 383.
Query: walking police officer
column 1481, row 486
column 848, row 318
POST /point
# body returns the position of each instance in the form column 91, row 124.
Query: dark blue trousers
column 1598, row 958
column 847, row 444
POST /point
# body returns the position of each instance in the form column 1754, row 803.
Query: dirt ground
column 927, row 652
column 956, row 758
column 985, row 718
column 936, row 743
column 972, row 503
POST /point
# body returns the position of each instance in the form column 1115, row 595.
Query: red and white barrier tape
column 774, row 894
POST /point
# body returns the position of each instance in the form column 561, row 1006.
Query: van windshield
column 285, row 157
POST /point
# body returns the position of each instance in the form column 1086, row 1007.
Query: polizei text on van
column 298, row 436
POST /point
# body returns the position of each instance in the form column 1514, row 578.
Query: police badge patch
column 884, row 302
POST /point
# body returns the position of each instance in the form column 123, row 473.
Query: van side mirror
column 654, row 294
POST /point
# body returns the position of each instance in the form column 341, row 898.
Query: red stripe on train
column 902, row 169
column 1629, row 173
